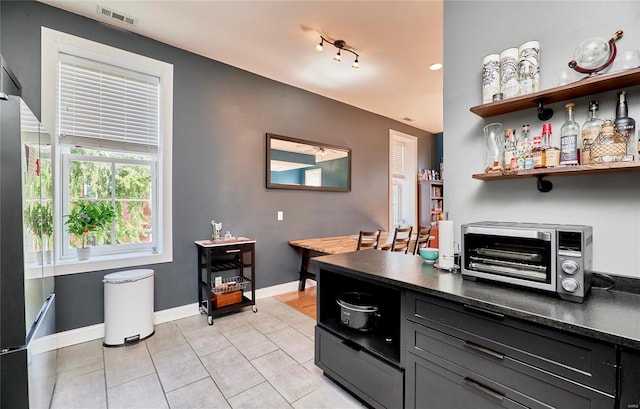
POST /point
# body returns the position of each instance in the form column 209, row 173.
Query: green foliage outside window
column 131, row 189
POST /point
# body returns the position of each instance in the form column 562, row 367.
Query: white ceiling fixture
column 396, row 40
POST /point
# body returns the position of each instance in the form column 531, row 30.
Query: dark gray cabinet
column 367, row 363
column 500, row 360
column 435, row 348
column 373, row 380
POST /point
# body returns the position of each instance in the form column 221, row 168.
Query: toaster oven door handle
column 493, row 231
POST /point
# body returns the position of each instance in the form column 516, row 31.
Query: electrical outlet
column 280, row 215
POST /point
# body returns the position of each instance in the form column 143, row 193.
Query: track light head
column 337, row 57
column 356, row 64
column 319, row 46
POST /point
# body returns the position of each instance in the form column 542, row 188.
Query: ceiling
column 397, row 42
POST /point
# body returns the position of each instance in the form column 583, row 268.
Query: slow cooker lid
column 358, row 300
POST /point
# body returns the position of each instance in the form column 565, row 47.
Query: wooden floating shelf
column 577, row 89
column 605, row 168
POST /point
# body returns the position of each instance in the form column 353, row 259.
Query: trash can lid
column 127, row 275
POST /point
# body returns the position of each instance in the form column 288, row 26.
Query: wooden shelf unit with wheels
column 234, row 262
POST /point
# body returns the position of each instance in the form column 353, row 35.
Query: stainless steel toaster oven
column 550, row 257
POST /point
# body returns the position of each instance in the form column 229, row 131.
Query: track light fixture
column 340, row 45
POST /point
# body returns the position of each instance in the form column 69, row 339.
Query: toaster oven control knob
column 570, row 285
column 570, row 266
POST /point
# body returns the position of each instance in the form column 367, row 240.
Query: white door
column 403, row 168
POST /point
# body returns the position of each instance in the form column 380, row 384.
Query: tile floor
column 245, row 360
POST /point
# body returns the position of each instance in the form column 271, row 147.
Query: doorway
column 403, row 168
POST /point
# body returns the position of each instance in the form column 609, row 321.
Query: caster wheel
column 255, row 309
column 210, row 320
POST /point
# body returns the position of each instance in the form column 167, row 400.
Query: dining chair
column 401, row 240
column 368, row 240
column 423, row 238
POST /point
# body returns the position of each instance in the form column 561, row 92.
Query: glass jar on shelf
column 493, row 148
column 609, row 146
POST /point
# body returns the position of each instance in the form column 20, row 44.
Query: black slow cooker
column 358, row 310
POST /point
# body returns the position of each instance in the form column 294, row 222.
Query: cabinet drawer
column 229, row 250
column 433, row 386
column 374, row 381
column 518, row 381
column 581, row 359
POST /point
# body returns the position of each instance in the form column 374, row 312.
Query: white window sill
column 98, row 263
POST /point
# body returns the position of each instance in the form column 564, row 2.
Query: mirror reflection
column 298, row 164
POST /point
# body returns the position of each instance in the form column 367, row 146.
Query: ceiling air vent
column 114, row 15
column 406, row 118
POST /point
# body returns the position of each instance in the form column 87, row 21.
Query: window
column 402, row 179
column 112, row 143
column 313, row 177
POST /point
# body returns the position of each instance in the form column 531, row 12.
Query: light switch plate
column 280, row 215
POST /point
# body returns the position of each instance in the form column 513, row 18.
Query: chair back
column 368, row 240
column 401, row 239
column 423, row 238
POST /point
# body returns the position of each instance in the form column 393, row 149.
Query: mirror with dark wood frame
column 300, row 164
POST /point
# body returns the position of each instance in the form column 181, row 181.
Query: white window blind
column 107, row 107
column 397, row 157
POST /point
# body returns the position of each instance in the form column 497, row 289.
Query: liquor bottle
column 590, row 131
column 510, row 150
column 624, row 125
column 537, row 152
column 609, row 146
column 569, row 153
column 524, row 146
column 551, row 154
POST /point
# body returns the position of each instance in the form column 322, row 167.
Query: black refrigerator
column 27, row 299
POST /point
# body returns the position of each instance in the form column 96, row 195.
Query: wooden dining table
column 323, row 246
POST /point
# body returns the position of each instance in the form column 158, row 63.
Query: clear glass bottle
column 569, row 152
column 524, row 147
column 624, row 125
column 510, row 150
column 551, row 153
column 609, row 146
column 590, row 131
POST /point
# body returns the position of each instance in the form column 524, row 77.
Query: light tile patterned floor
column 245, row 360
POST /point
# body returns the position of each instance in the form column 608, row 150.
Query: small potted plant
column 85, row 217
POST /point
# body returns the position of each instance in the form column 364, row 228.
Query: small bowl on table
column 429, row 254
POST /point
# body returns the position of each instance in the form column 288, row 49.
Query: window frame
column 52, row 44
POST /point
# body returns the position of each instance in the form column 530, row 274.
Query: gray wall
column 221, row 115
column 610, row 203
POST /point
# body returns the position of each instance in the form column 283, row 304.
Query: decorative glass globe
column 592, row 53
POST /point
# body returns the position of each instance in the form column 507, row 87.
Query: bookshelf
column 430, row 205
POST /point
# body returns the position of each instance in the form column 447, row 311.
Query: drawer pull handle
column 233, row 251
column 482, row 311
column 483, row 389
column 483, row 350
column 351, row 344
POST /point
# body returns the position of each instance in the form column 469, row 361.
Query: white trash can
column 128, row 307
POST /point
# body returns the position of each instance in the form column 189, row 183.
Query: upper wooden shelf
column 577, row 89
column 615, row 167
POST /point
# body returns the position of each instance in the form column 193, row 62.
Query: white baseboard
column 92, row 332
column 281, row 289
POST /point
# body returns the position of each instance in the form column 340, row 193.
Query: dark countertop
column 611, row 316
